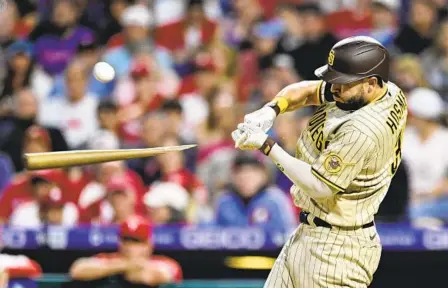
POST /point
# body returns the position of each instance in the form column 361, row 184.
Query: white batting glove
column 249, row 137
column 263, row 118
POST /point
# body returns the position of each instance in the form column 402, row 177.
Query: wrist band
column 279, row 104
column 282, row 103
column 267, row 146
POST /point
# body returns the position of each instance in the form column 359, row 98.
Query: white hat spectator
column 392, row 5
column 137, row 15
column 425, row 103
column 167, row 194
column 104, row 140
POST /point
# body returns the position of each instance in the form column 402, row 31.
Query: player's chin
column 338, row 99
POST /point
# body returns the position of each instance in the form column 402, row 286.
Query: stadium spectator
column 137, row 99
column 237, row 29
column 417, row 35
column 113, row 26
column 36, row 140
column 22, row 73
column 319, row 40
column 143, row 91
column 88, row 52
column 165, row 81
column 268, row 87
column 435, row 62
column 137, row 25
column 59, row 36
column 103, row 140
column 106, row 113
column 293, row 37
column 152, row 132
column 425, row 151
column 442, row 9
column 175, row 126
column 173, row 169
column 93, row 199
column 174, row 119
column 224, row 59
column 13, row 128
column 46, row 207
column 10, row 19
column 167, row 203
column 19, row 190
column 351, row 20
column 216, row 149
column 265, row 38
column 132, row 264
column 385, row 21
column 121, row 202
column 78, row 122
column 283, row 70
column 197, row 88
column 252, row 201
column 407, row 72
column 183, row 38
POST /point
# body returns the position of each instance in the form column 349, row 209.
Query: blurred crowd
column 186, row 72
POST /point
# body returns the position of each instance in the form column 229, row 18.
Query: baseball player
column 343, row 166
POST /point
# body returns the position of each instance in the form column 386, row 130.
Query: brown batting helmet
column 353, row 59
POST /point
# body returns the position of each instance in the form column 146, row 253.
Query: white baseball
column 103, row 72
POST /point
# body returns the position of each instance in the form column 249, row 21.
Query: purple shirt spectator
column 55, row 47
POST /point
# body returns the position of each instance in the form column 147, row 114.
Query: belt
column 321, row 223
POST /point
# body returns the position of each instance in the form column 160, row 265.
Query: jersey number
column 397, row 157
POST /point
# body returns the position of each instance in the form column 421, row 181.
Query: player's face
column 123, row 203
column 136, row 33
column 134, row 249
column 353, row 94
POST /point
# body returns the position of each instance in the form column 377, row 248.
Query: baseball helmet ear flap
column 353, row 59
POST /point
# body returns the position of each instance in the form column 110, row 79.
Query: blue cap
column 269, row 30
column 20, row 47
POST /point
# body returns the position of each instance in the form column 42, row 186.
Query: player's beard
column 354, row 103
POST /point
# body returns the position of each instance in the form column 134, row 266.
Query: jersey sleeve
column 343, row 159
column 324, row 93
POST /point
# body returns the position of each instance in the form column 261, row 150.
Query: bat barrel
column 36, row 161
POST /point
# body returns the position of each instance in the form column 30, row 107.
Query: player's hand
column 263, row 118
column 249, row 137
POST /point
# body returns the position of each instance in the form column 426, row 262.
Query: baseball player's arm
column 86, row 269
column 3, row 279
column 300, row 173
column 298, row 95
column 290, row 98
column 335, row 168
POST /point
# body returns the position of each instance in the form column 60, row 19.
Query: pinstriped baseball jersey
column 354, row 152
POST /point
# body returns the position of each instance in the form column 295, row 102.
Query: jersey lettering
column 397, row 112
column 316, row 128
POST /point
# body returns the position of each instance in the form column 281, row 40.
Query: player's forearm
column 298, row 95
column 89, row 269
column 299, row 173
column 3, row 279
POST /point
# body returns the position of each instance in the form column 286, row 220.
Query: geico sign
column 249, row 239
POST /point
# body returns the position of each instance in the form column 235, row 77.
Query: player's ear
column 372, row 82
